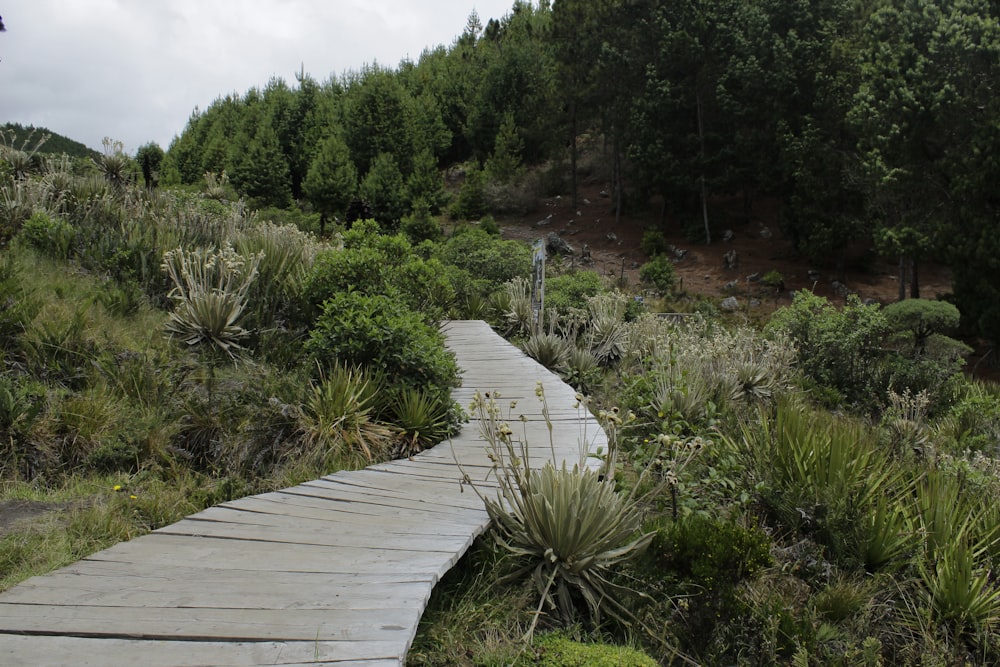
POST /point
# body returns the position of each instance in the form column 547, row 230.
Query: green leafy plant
column 379, row 332
column 570, row 291
column 653, row 242
column 51, row 235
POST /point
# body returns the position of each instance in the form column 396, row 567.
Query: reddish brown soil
column 701, row 271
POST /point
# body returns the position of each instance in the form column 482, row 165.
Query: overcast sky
column 134, row 70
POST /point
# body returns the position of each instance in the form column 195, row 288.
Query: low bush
column 658, row 273
column 653, row 242
column 379, row 332
column 487, row 257
column 570, row 291
column 51, row 235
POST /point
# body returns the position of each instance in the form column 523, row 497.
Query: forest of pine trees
column 862, row 120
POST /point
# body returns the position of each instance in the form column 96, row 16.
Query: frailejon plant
column 570, row 526
column 210, row 296
column 548, row 349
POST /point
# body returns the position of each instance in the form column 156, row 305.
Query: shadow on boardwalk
column 338, row 570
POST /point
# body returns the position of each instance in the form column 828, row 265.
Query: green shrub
column 360, row 269
column 420, row 225
column 658, row 273
column 838, row 348
column 653, row 242
column 571, row 291
column 489, row 225
column 471, row 201
column 557, row 650
column 922, row 318
column 51, row 235
column 376, row 331
column 486, row 257
column 714, row 554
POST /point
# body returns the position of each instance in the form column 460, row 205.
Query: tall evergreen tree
column 332, row 179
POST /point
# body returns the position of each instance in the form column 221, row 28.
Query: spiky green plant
column 608, row 332
column 337, row 418
column 517, row 306
column 581, row 369
column 114, row 164
column 422, row 418
column 959, row 590
column 210, row 296
column 573, row 528
column 550, row 350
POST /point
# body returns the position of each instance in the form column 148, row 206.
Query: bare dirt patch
column 17, row 514
column 759, row 245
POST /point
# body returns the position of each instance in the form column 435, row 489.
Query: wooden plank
column 211, row 552
column 101, row 652
column 210, row 624
column 354, row 537
column 201, row 591
column 378, row 517
column 164, row 575
column 392, row 525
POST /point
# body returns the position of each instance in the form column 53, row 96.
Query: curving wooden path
column 335, row 571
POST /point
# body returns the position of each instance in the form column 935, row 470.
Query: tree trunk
column 704, row 191
column 572, row 150
column 902, row 277
column 914, row 281
column 618, row 183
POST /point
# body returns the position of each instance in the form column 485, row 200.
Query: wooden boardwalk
column 334, row 571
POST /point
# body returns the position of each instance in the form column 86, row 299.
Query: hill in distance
column 20, row 136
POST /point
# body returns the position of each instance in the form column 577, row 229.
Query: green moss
column 556, row 650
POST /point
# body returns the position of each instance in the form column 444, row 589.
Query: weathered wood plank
column 266, row 557
column 101, row 652
column 211, row 624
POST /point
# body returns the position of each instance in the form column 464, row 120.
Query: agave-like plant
column 422, row 418
column 114, row 164
column 550, row 350
column 337, row 417
column 608, row 332
column 517, row 306
column 573, row 528
column 209, row 295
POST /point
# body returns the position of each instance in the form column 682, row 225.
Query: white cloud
column 134, row 70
